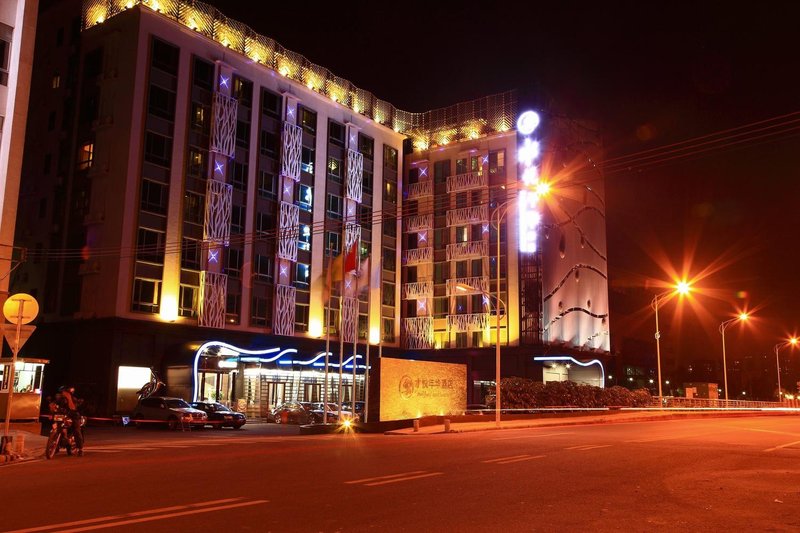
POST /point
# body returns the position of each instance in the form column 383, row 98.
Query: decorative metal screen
column 464, row 286
column 283, row 317
column 355, row 173
column 419, row 222
column 419, row 189
column 417, row 256
column 291, row 150
column 418, row 333
column 467, row 250
column 420, row 289
column 213, row 290
column 288, row 231
column 465, row 182
column 471, row 322
column 223, row 125
column 349, row 319
column 467, row 215
column 217, row 226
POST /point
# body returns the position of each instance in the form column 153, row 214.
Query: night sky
column 651, row 74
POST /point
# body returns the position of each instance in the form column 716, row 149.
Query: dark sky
column 651, row 73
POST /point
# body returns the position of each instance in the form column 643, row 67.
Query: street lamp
column 741, row 317
column 682, row 288
column 792, row 342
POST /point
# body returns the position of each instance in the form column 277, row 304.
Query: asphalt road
column 672, row 475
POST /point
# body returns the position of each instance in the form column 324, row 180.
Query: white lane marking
column 95, row 450
column 407, row 478
column 782, row 446
column 365, row 480
column 532, row 436
column 505, row 458
column 118, row 517
column 514, row 459
column 772, row 431
column 585, row 447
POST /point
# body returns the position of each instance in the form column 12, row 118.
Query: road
column 669, row 475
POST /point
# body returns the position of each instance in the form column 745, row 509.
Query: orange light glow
column 793, row 341
column 683, row 287
column 743, row 316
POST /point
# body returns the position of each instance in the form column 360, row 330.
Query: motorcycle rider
column 69, row 404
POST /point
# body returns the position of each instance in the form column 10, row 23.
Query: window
column 477, row 267
column 366, row 180
column 308, row 120
column 86, row 156
column 389, row 259
column 439, row 237
column 154, row 197
column 390, row 226
column 461, row 199
column 413, row 175
column 366, row 146
column 194, row 208
column 335, row 169
column 305, row 197
column 362, row 326
column 335, row 206
column 243, row 91
column 301, row 317
column 51, row 121
column 364, row 215
column 336, row 133
column 242, row 134
column 237, row 219
column 461, row 339
column 203, row 74
column 48, row 158
column 388, row 330
column 199, row 117
column 271, row 103
column 161, row 102
column 263, row 222
column 332, row 243
column 461, row 166
column 497, row 163
column 438, row 272
column 461, row 269
column 304, row 237
column 232, row 306
column 146, row 295
column 390, row 157
column 56, row 81
column 267, row 184
column 165, row 57
column 157, row 149
column 239, row 175
column 307, row 160
column 390, row 192
column 259, row 309
column 269, row 143
column 187, row 301
column 302, row 275
column 190, row 254
column 441, row 170
column 5, row 50
column 462, row 234
column 440, row 307
column 233, row 263
column 197, row 162
column 388, row 294
column 150, row 246
column 263, row 267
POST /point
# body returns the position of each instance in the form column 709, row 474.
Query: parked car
column 289, row 413
column 359, row 409
column 477, row 409
column 220, row 415
column 174, row 412
column 333, row 412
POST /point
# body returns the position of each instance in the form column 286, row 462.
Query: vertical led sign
column 528, row 195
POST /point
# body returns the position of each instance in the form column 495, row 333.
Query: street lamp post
column 681, row 288
column 793, row 342
column 722, row 327
column 500, row 211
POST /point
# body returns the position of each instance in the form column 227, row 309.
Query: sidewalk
column 611, row 417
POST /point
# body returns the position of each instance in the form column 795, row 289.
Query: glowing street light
column 791, row 342
column 683, row 288
column 739, row 318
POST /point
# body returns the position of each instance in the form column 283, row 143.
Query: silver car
column 174, row 411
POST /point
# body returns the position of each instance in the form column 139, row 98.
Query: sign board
column 25, row 303
column 411, row 389
column 10, row 333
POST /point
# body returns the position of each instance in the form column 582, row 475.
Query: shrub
column 521, row 393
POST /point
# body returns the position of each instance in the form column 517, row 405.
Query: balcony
column 467, row 215
column 465, row 182
column 418, row 333
column 467, row 250
column 471, row 322
column 418, row 256
column 419, row 189
column 419, row 223
column 474, row 285
column 420, row 289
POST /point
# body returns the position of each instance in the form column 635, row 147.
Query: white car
column 174, row 411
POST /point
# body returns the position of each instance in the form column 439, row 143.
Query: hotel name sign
column 411, row 389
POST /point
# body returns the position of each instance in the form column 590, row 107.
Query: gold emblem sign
column 411, row 389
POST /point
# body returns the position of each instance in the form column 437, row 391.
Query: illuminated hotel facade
column 199, row 216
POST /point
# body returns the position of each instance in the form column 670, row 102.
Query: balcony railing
column 420, row 289
column 467, row 250
column 471, row 322
column 418, row 256
column 418, row 333
column 465, row 182
column 474, row 285
column 419, row 222
column 420, row 189
column 467, row 215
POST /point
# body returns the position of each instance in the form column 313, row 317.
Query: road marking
column 121, row 516
column 782, row 446
column 532, row 436
column 772, row 431
column 585, row 447
column 393, row 478
column 513, row 459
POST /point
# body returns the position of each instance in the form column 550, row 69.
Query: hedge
column 521, row 393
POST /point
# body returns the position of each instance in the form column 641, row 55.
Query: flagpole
column 327, row 336
column 355, row 331
column 341, row 315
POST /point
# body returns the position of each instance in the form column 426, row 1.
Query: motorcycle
column 62, row 436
